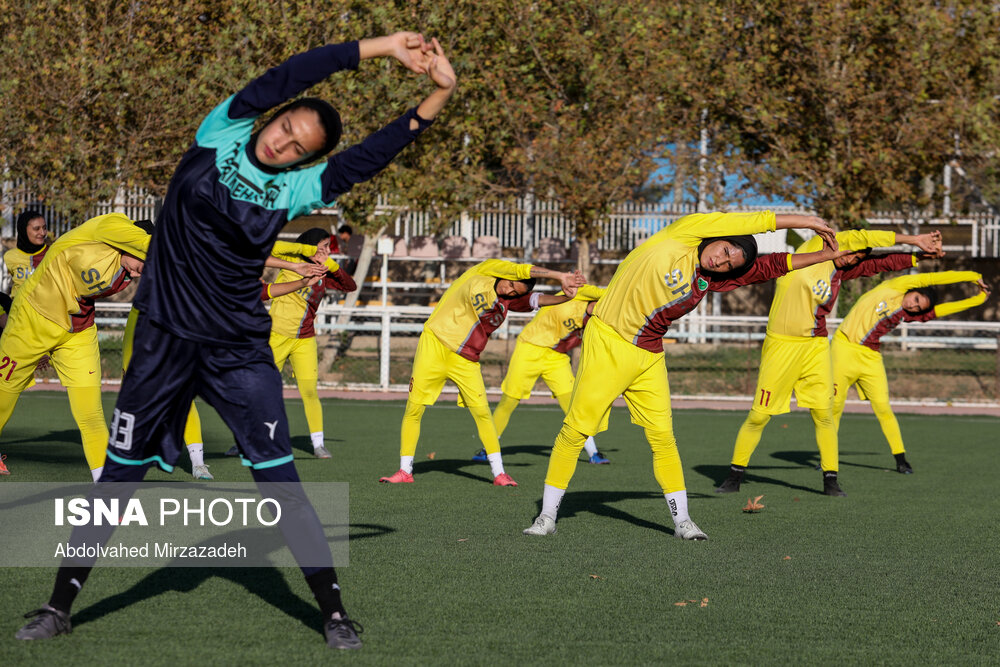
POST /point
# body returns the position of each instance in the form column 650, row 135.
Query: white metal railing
column 624, row 228
column 388, row 321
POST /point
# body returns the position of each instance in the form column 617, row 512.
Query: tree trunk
column 583, row 256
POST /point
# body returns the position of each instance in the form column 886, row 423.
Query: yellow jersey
column 660, row 282
column 20, row 265
column 82, row 265
column 803, row 298
column 293, row 315
column 880, row 310
column 470, row 310
column 560, row 327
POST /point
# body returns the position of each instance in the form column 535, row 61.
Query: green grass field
column 902, row 571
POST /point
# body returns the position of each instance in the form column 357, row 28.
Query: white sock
column 678, row 504
column 496, row 463
column 96, row 472
column 590, row 446
column 317, row 439
column 551, row 499
column 406, row 463
column 196, row 451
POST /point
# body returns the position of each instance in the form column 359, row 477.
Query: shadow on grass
column 809, row 459
column 64, row 437
column 718, row 475
column 599, row 503
column 455, row 467
column 266, row 583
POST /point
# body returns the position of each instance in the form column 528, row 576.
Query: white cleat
column 544, row 525
column 688, row 530
column 201, row 472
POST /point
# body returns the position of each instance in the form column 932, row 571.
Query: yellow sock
column 192, row 427
column 503, row 411
column 749, row 437
column 562, row 460
column 667, row 466
column 826, row 438
column 409, row 432
column 310, row 401
column 890, row 427
column 85, row 404
column 487, row 431
column 8, row 400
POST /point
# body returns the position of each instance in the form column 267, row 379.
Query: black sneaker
column 233, row 451
column 903, row 466
column 47, row 623
column 732, row 483
column 343, row 633
column 830, row 486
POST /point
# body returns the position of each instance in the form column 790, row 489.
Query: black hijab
column 746, row 243
column 23, row 244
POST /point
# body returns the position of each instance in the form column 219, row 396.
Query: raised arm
column 307, row 269
column 274, row 290
column 953, row 307
column 930, row 243
column 290, row 78
column 815, row 223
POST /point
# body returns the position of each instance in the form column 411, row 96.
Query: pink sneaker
column 3, row 466
column 503, row 479
column 400, row 476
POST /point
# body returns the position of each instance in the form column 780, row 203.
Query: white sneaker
column 688, row 530
column 201, row 472
column 544, row 525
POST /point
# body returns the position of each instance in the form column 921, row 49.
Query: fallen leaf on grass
column 787, row 558
column 784, row 426
column 753, row 505
column 431, row 455
column 594, row 576
column 463, row 539
column 680, row 604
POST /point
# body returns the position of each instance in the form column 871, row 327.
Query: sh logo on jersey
column 675, row 281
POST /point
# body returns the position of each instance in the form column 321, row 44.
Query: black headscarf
column 746, row 243
column 328, row 118
column 23, row 244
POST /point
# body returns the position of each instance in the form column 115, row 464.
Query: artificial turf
column 902, row 571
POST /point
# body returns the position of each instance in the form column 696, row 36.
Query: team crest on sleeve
column 702, row 284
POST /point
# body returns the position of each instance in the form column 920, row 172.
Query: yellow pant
column 528, row 363
column 76, row 358
column 611, row 366
column 787, row 364
column 793, row 363
column 855, row 364
column 433, row 364
column 303, row 354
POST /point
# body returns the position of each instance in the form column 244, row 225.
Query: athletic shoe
column 830, row 486
column 480, row 456
column 903, row 467
column 47, row 623
column 322, row 452
column 400, row 476
column 201, row 472
column 598, row 459
column 732, row 483
column 343, row 633
column 503, row 479
column 3, row 466
column 233, row 451
column 543, row 525
column 688, row 530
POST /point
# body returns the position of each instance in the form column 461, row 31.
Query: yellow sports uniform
column 542, row 346
column 293, row 335
column 657, row 283
column 857, row 359
column 449, row 347
column 795, row 356
column 53, row 315
column 20, row 265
